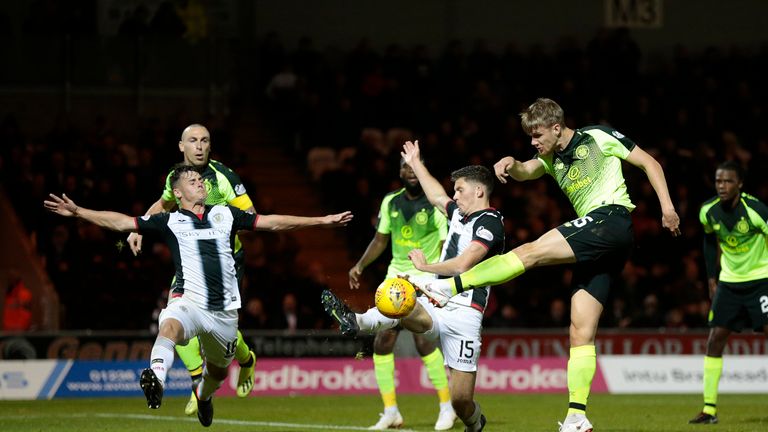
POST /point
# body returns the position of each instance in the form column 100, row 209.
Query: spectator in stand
column 17, row 308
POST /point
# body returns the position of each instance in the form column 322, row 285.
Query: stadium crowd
column 345, row 115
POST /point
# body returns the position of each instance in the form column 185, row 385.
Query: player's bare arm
column 432, row 188
column 111, row 220
column 287, row 222
column 135, row 239
column 641, row 159
column 472, row 255
column 520, row 171
column 375, row 248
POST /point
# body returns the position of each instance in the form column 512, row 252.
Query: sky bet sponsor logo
column 204, row 234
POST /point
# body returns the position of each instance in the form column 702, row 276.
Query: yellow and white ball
column 395, row 298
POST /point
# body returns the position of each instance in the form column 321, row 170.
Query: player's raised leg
column 549, row 249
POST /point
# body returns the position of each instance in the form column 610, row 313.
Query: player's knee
column 172, row 329
column 216, row 372
column 462, row 403
column 423, row 345
column 529, row 254
column 384, row 342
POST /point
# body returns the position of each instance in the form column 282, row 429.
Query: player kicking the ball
column 587, row 166
column 475, row 232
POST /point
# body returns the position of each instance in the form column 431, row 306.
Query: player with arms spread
column 224, row 187
column 738, row 223
column 206, row 291
column 586, row 163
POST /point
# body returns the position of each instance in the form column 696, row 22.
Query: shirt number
column 580, row 222
column 764, row 304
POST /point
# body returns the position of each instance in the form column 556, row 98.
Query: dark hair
column 475, row 173
column 733, row 166
column 179, row 170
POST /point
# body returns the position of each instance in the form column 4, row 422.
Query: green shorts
column 601, row 241
column 737, row 306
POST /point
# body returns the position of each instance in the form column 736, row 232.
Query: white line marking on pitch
column 215, row 421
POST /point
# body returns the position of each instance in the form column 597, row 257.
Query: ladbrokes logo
column 535, row 378
column 295, row 378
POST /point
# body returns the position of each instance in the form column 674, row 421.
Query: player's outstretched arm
column 641, row 159
column 287, row 222
column 432, row 188
column 375, row 248
column 520, row 171
column 111, row 220
column 135, row 239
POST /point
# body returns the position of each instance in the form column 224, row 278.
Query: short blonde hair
column 544, row 112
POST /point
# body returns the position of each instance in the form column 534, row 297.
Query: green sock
column 242, row 352
column 581, row 370
column 713, row 368
column 436, row 371
column 493, row 271
column 384, row 367
column 190, row 354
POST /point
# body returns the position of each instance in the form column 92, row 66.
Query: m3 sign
column 634, row 13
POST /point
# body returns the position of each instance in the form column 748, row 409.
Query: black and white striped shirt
column 202, row 250
column 485, row 227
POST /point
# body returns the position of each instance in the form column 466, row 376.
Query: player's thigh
column 756, row 302
column 384, row 341
column 460, row 338
column 596, row 278
column 187, row 314
column 603, row 235
column 219, row 341
column 419, row 321
column 729, row 309
column 549, row 249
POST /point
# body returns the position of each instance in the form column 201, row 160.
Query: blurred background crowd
column 339, row 117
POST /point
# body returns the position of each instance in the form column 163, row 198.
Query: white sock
column 574, row 418
column 391, row 410
column 446, row 406
column 373, row 321
column 208, row 386
column 161, row 357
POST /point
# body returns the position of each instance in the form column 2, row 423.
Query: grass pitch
column 738, row 413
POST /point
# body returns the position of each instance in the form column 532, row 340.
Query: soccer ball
column 395, row 298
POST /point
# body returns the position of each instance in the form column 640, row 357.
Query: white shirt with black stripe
column 202, row 249
column 485, row 227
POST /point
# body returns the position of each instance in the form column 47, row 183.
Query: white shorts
column 217, row 330
column 459, row 328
